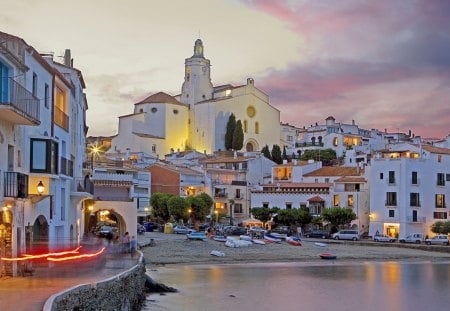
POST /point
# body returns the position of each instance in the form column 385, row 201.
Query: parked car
column 438, row 239
column 413, row 238
column 384, row 238
column 105, row 231
column 182, row 230
column 346, row 235
column 317, row 234
column 235, row 230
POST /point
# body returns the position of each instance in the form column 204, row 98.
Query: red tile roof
column 160, row 97
column 335, row 171
column 316, row 199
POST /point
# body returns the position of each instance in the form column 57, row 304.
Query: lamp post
column 40, row 187
column 189, row 211
column 146, row 213
column 217, row 216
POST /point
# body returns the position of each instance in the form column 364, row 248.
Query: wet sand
column 170, row 249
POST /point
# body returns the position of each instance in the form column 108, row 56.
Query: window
column 335, row 141
column 440, row 179
column 60, row 117
column 440, row 201
column 381, row 175
column 440, row 215
column 414, row 199
column 46, row 96
column 34, row 90
column 439, row 158
column 327, row 180
column 153, row 110
column 350, row 187
column 153, row 148
column 391, row 198
column 175, row 111
column 336, row 200
column 414, row 178
column 350, row 200
column 265, row 204
column 391, row 213
column 391, row 177
column 238, row 193
column 63, row 204
column 237, row 208
column 288, row 205
column 4, row 80
column 256, row 128
column 245, row 126
column 43, row 156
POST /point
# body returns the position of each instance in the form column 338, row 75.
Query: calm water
column 304, row 286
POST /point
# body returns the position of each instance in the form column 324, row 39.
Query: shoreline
column 169, row 250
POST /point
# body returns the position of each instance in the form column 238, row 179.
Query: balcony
column 16, row 185
column 390, row 203
column 415, row 204
column 220, row 194
column 61, row 119
column 239, row 197
column 66, row 167
column 18, row 106
column 418, row 219
column 84, row 185
column 309, row 144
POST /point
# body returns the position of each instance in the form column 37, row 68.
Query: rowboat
column 327, row 256
column 294, row 241
column 219, row 238
column 320, row 244
column 196, row 236
column 271, row 239
column 217, row 253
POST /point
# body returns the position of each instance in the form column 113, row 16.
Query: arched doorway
column 39, row 236
column 249, row 147
column 103, row 220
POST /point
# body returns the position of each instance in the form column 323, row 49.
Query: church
column 197, row 118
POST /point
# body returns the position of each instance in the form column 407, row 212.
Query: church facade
column 197, row 118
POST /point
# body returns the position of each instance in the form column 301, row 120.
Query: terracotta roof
column 351, row 179
column 335, row 171
column 226, row 160
column 433, row 149
column 159, row 98
column 179, row 169
column 300, row 185
column 316, row 199
column 299, row 163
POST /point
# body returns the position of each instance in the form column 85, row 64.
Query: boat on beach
column 196, row 236
column 327, row 256
column 232, row 242
column 219, row 238
column 294, row 241
column 320, row 244
column 258, row 241
column 271, row 239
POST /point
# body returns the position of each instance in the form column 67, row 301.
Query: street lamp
column 146, row 213
column 189, row 211
column 40, row 187
column 217, row 215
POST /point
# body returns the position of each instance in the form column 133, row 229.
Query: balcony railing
column 25, row 105
column 390, row 203
column 419, row 219
column 308, row 144
column 16, row 185
column 220, row 195
column 82, row 185
column 415, row 204
column 66, row 167
column 61, row 119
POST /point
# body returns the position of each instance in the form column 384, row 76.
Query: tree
column 238, row 136
column 263, row 214
column 294, row 216
column 441, row 227
column 338, row 216
column 266, row 152
column 231, row 125
column 177, row 208
column 200, row 207
column 276, row 154
column 325, row 155
column 158, row 201
column 284, row 153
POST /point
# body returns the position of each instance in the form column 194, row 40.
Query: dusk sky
column 384, row 63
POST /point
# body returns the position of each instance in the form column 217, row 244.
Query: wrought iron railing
column 21, row 99
column 61, row 118
column 16, row 185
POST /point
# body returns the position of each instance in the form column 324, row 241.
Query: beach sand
column 170, row 249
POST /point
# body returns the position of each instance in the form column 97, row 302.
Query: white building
column 409, row 189
column 42, row 130
column 197, row 118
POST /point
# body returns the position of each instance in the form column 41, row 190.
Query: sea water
column 328, row 285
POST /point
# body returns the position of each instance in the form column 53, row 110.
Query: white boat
column 217, row 253
column 245, row 238
column 196, row 236
column 280, row 236
column 260, row 242
column 219, row 238
column 320, row 244
column 232, row 242
column 271, row 239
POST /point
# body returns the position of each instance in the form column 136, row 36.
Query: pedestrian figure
column 133, row 246
column 126, row 243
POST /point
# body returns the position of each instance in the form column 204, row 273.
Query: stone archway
column 39, row 233
column 107, row 217
column 251, row 145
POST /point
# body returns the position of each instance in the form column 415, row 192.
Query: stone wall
column 125, row 291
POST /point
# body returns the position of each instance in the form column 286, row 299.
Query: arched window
column 320, row 139
column 313, row 141
column 256, row 128
column 245, row 126
column 335, row 141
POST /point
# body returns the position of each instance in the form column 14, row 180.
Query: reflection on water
column 300, row 286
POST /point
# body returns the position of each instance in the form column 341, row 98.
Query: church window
column 141, row 110
column 175, row 111
column 188, row 73
column 245, row 126
column 154, row 110
column 256, row 127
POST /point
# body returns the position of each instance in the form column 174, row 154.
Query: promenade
column 29, row 293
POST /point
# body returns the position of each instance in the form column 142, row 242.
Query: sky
column 384, row 64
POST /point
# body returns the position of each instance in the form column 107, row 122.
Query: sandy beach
column 177, row 249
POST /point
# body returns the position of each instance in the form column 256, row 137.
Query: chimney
column 67, row 58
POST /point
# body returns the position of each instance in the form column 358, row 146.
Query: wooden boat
column 217, row 253
column 271, row 239
column 219, row 238
column 327, row 256
column 196, row 236
column 294, row 241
